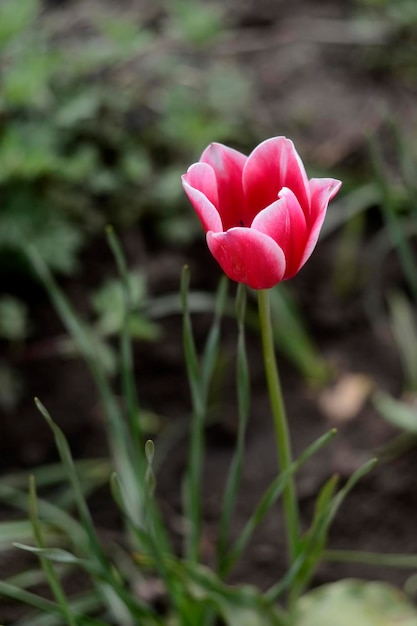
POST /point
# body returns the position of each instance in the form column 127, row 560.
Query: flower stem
column 280, row 422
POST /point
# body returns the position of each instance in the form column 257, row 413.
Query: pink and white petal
column 322, row 191
column 218, row 156
column 227, row 164
column 248, row 256
column 202, row 177
column 206, row 211
column 285, row 222
column 272, row 165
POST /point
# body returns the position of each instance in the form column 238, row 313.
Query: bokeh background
column 103, row 104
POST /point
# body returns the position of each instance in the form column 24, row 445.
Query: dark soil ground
column 311, row 85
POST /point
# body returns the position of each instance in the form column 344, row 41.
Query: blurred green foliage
column 396, row 21
column 99, row 112
column 96, row 128
column 14, row 327
column 404, row 11
column 13, row 319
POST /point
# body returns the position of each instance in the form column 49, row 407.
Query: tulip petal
column 227, row 164
column 200, row 185
column 322, row 191
column 285, row 222
column 248, row 256
column 202, row 177
column 272, row 165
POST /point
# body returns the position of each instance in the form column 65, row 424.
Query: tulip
column 261, row 214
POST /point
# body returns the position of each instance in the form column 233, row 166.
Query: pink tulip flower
column 261, row 214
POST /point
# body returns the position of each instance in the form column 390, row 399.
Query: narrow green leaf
column 241, row 605
column 126, row 354
column 50, row 573
column 356, row 201
column 58, row 517
column 153, row 538
column 10, row 531
column 403, row 324
column 96, row 469
column 192, row 480
column 31, row 599
column 315, row 540
column 394, row 224
column 396, row 412
column 13, row 319
column 291, row 335
column 379, row 559
column 68, row 463
column 190, row 351
column 120, row 499
column 119, row 439
column 58, row 555
column 270, row 497
column 136, row 607
column 235, row 470
column 211, row 349
column 50, row 614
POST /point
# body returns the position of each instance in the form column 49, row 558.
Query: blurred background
column 103, row 104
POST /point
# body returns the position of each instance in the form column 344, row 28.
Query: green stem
column 280, row 422
column 405, row 561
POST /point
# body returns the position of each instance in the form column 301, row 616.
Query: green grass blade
column 192, row 480
column 393, row 222
column 236, row 605
column 57, row 516
column 190, row 351
column 313, row 543
column 211, row 349
column 403, row 328
column 59, row 555
column 357, row 200
column 50, row 573
column 67, row 460
column 119, row 439
column 396, row 412
column 356, row 476
column 379, row 559
column 136, row 607
column 48, row 475
column 235, row 471
column 31, row 599
column 156, row 542
column 199, row 381
column 291, row 335
column 270, row 497
column 14, row 530
column 407, row 164
column 331, row 510
column 48, row 613
column 126, row 354
column 120, row 498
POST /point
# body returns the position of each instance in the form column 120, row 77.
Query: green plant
column 395, row 305
column 391, row 26
column 13, row 332
column 80, row 142
column 119, row 575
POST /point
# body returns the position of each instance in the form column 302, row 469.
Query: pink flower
column 261, row 214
